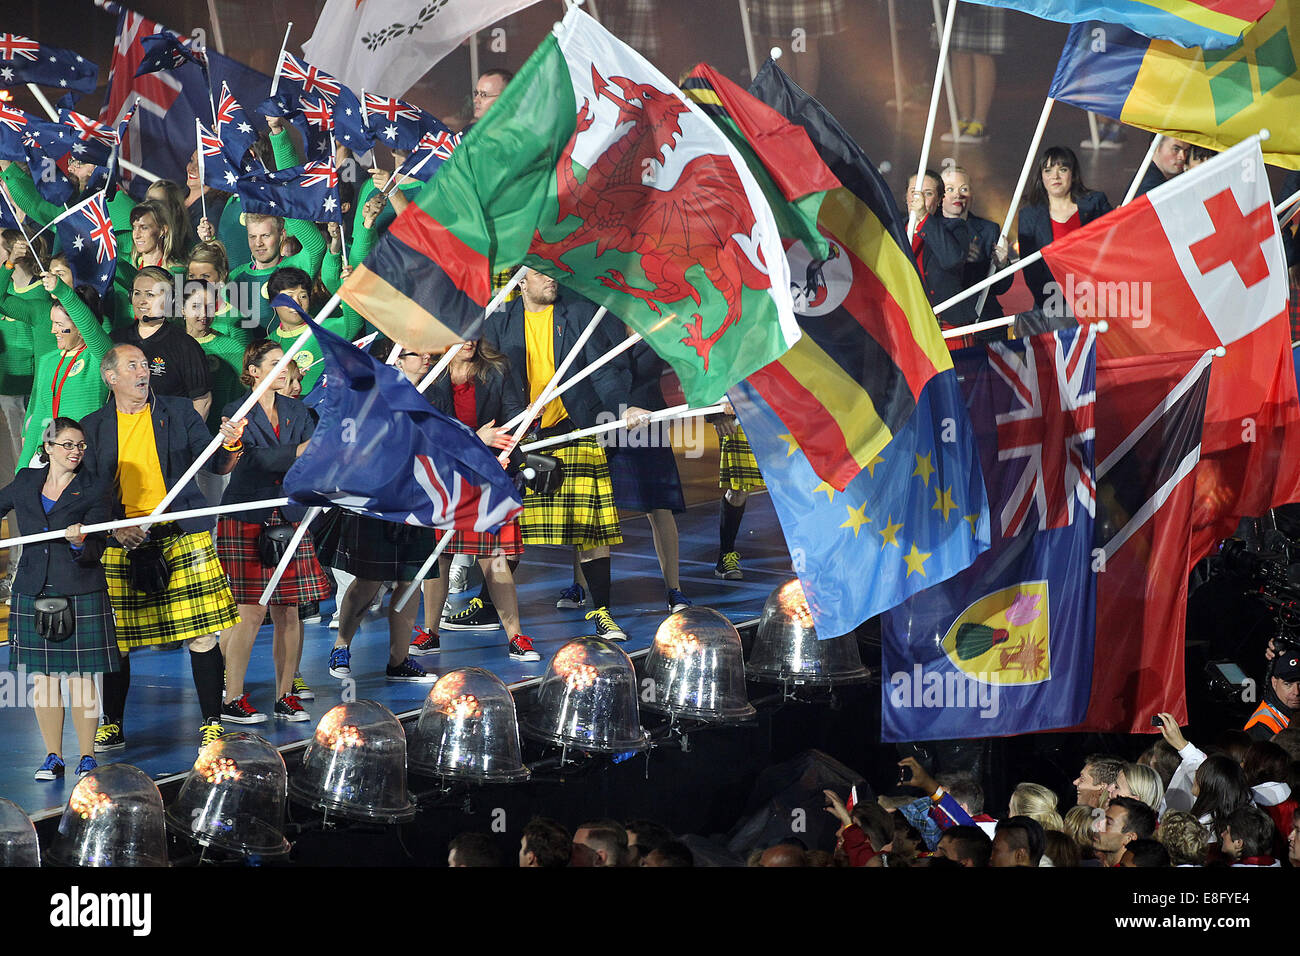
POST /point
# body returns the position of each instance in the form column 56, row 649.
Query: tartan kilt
column 480, row 544
column 977, row 30
column 303, row 580
column 645, row 479
column 197, row 601
column 737, row 467
column 776, row 18
column 374, row 549
column 582, row 512
column 92, row 648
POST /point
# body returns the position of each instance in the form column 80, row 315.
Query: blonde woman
column 1037, row 802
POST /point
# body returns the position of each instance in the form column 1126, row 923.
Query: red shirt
column 1062, row 229
column 918, row 248
column 462, row 400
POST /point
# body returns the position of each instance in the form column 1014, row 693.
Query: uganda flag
column 1212, row 98
column 593, row 168
column 870, row 340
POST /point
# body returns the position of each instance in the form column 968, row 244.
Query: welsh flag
column 593, row 168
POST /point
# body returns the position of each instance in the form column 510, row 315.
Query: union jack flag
column 13, row 118
column 1053, row 381
column 433, row 149
column 390, row 109
column 216, row 166
column 87, row 128
column 318, row 114
column 320, row 172
column 441, row 142
column 101, row 229
column 12, row 46
column 312, row 79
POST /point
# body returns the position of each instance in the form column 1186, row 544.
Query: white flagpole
column 198, row 138
column 18, row 218
column 950, row 96
column 472, row 331
column 666, row 414
column 279, row 60
column 934, row 108
column 1142, row 169
column 1025, row 170
column 749, row 38
column 205, row 512
column 424, row 569
column 473, row 60
column 40, row 98
column 895, row 58
column 216, row 26
column 289, row 550
column 966, row 293
column 1093, row 135
column 979, row 327
column 343, row 242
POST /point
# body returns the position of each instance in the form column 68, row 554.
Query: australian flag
column 86, row 237
column 433, row 149
column 308, row 98
column 381, row 449
column 23, row 60
column 19, row 130
column 92, row 141
column 309, row 192
column 396, row 123
column 236, row 130
column 217, row 167
column 1006, row 647
column 166, row 51
column 47, row 146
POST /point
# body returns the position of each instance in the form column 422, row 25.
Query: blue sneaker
column 88, row 763
column 572, row 597
column 409, row 672
column 52, row 769
column 340, row 662
column 677, row 601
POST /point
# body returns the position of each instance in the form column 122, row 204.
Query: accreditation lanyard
column 56, row 386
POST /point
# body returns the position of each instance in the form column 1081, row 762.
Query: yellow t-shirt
column 139, row 473
column 539, row 341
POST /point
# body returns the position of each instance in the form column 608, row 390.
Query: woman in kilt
column 478, row 392
column 61, row 496
column 738, row 475
column 277, row 433
column 375, row 551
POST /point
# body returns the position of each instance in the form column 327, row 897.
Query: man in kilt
column 536, row 332
column 165, row 583
column 738, row 475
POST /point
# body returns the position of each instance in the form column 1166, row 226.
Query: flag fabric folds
column 234, row 127
column 1194, row 264
column 309, row 191
column 19, row 129
column 593, row 168
column 1213, row 98
column 166, row 51
column 24, row 60
column 396, row 123
column 93, row 141
column 86, row 237
column 429, row 154
column 1006, row 646
column 1212, row 24
column 381, row 449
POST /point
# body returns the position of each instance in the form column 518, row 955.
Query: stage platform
column 163, row 719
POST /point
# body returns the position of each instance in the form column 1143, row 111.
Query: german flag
column 870, row 340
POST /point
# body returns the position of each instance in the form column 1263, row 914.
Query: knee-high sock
column 596, row 571
column 209, row 669
column 115, row 687
column 729, row 527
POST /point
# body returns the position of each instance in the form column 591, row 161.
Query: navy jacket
column 180, row 437
column 259, row 471
column 1152, row 178
column 54, row 563
column 1290, row 243
column 1035, row 232
column 606, row 389
column 496, row 400
column 647, row 368
column 957, row 255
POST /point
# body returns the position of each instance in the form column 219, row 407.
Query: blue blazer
column 259, row 471
column 1035, row 232
column 605, row 389
column 957, row 254
column 55, row 563
column 180, row 436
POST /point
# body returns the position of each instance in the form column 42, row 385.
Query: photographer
column 1281, row 694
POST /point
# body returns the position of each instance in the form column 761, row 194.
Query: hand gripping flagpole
column 934, row 109
column 18, row 218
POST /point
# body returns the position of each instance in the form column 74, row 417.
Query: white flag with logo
column 385, row 46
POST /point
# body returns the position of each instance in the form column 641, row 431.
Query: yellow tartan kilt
column 582, row 512
column 737, row 468
column 197, row 600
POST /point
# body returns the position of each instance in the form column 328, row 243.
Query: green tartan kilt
column 92, row 648
column 582, row 512
column 197, row 600
column 737, row 468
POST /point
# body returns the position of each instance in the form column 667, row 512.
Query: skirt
column 777, row 18
column 303, row 580
column 645, row 479
column 92, row 648
column 582, row 512
column 737, row 468
column 480, row 544
column 197, row 601
column 373, row 549
column 977, row 30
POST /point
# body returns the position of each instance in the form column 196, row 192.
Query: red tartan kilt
column 480, row 544
column 303, row 580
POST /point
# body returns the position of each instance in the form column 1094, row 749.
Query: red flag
column 1192, row 265
column 1148, row 442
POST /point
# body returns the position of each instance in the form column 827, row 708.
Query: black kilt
column 645, row 479
column 373, row 549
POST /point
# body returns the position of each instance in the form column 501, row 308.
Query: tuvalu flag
column 870, row 343
column 1213, row 98
column 593, row 168
column 1212, row 24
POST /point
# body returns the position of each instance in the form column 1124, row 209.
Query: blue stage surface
column 162, row 719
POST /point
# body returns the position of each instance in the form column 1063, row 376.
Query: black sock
column 209, row 669
column 729, row 527
column 596, row 571
column 115, row 687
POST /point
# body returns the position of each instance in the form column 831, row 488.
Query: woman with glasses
column 61, row 622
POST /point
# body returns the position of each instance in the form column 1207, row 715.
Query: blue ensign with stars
column 24, row 60
column 915, row 515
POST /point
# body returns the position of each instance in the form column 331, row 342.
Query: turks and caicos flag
column 1194, row 264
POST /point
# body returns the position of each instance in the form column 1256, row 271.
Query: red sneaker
column 521, row 649
column 426, row 642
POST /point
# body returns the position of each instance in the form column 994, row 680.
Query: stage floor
column 162, row 719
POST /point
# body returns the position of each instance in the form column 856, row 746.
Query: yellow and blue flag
column 1213, row 98
column 1212, row 24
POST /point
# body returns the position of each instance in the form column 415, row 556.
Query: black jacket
column 1152, row 178
column 180, row 437
column 606, row 389
column 1035, row 232
column 647, row 369
column 498, row 399
column 54, row 563
column 957, row 255
column 259, row 471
